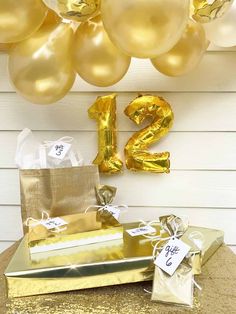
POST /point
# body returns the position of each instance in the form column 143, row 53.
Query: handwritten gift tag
column 115, row 212
column 141, row 231
column 52, row 223
column 172, row 255
column 59, row 150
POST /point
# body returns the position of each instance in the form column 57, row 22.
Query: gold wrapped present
column 98, row 265
column 93, row 265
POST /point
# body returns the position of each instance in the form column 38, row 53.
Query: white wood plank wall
column 202, row 182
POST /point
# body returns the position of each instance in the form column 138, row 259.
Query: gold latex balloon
column 186, row 54
column 52, row 18
column 205, row 11
column 20, row 19
column 41, row 67
column 4, row 47
column 145, row 29
column 96, row 59
column 75, row 10
column 104, row 112
column 137, row 156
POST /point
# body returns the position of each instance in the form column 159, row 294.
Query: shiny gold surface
column 206, row 11
column 39, row 235
column 145, row 29
column 96, row 58
column 138, row 158
column 20, row 19
column 104, row 112
column 186, row 54
column 59, row 192
column 40, row 67
column 221, row 32
column 75, row 10
column 216, row 296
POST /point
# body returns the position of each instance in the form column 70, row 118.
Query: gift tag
column 115, row 212
column 141, row 231
column 59, row 150
column 52, row 223
column 172, row 255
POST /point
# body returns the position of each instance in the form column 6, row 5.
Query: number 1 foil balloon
column 20, row 19
column 205, row 11
column 96, row 58
column 186, row 54
column 145, row 29
column 222, row 32
column 41, row 67
column 104, row 112
column 137, row 156
column 75, row 10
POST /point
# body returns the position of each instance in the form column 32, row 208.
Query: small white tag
column 59, row 150
column 172, row 255
column 141, row 231
column 114, row 211
column 52, row 223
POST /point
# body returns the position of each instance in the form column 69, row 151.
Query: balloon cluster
column 48, row 41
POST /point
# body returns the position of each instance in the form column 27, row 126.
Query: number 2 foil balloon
column 205, row 11
column 20, row 19
column 75, row 10
column 145, row 29
column 137, row 156
column 41, row 67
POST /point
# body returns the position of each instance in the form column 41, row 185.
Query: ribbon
column 106, row 207
column 30, row 221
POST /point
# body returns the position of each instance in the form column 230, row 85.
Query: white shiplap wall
column 202, row 182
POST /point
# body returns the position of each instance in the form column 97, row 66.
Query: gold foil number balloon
column 76, row 10
column 206, row 11
column 137, row 156
column 104, row 112
column 222, row 32
column 96, row 59
column 145, row 29
column 186, row 54
column 41, row 67
column 20, row 19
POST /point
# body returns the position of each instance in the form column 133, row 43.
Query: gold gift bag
column 59, row 192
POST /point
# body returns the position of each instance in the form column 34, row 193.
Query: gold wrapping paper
column 59, row 192
column 138, row 158
column 77, row 223
column 90, row 269
column 205, row 11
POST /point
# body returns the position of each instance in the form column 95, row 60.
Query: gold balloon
column 137, row 156
column 20, row 19
column 41, row 67
column 186, row 54
column 52, row 18
column 145, row 29
column 4, row 47
column 75, row 10
column 205, row 11
column 104, row 111
column 96, row 59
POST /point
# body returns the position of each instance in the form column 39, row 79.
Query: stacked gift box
column 74, row 240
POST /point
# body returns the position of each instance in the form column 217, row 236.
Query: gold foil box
column 94, row 265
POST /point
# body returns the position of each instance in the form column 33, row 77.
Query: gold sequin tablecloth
column 218, row 295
